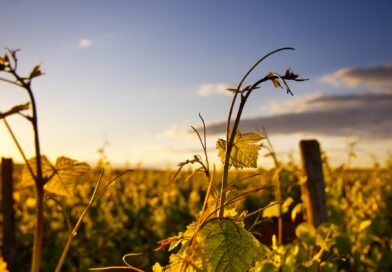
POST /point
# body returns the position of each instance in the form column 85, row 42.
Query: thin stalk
column 278, row 192
column 278, row 196
column 74, row 231
column 39, row 230
column 192, row 244
column 10, row 82
column 229, row 142
column 229, row 147
column 19, row 147
column 39, row 180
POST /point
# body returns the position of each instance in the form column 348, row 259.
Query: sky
column 132, row 76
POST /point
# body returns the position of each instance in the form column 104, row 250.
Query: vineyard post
column 8, row 213
column 313, row 189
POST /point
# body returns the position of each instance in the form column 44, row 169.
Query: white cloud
column 295, row 104
column 378, row 78
column 84, row 43
column 213, row 88
column 176, row 131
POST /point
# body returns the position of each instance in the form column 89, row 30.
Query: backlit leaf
column 273, row 209
column 365, row 224
column 66, row 175
column 245, row 150
column 157, row 268
column 221, row 245
column 275, row 79
column 47, row 170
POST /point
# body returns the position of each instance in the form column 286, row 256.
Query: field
column 144, row 207
column 235, row 216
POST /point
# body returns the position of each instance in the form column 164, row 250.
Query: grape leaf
column 66, row 173
column 47, row 170
column 222, row 244
column 245, row 150
column 60, row 178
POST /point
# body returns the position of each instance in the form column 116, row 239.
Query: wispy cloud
column 213, row 88
column 378, row 78
column 364, row 115
column 84, row 43
column 176, row 131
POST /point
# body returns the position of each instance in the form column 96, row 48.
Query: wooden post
column 9, row 247
column 313, row 190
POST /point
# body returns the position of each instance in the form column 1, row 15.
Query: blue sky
column 132, row 72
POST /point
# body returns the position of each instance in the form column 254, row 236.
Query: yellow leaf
column 296, row 210
column 67, row 173
column 3, row 265
column 47, row 170
column 273, row 209
column 245, row 150
column 275, row 80
column 365, row 224
column 157, row 268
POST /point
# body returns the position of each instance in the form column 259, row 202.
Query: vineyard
column 142, row 208
column 68, row 216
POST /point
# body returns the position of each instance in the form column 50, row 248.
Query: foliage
column 3, row 265
column 226, row 208
column 245, row 150
column 141, row 209
column 223, row 244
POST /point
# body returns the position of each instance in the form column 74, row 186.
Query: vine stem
column 230, row 136
column 38, row 177
column 39, row 181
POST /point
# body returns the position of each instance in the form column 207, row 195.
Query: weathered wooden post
column 313, row 189
column 9, row 247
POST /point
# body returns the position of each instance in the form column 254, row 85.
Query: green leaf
column 245, row 150
column 266, row 267
column 221, row 245
column 47, row 170
column 67, row 172
column 343, row 244
column 306, row 232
